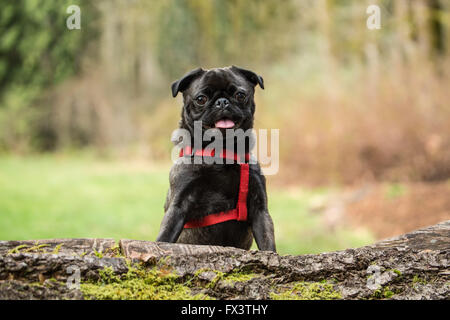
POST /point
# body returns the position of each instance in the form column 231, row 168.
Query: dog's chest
column 218, row 180
column 213, row 188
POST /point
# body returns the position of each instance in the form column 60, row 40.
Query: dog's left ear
column 250, row 76
column 182, row 84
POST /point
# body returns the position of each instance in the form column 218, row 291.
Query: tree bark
column 411, row 266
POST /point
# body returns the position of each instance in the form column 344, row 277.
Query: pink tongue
column 224, row 124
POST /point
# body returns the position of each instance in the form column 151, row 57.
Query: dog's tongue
column 224, row 124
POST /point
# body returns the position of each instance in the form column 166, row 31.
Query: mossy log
column 411, row 266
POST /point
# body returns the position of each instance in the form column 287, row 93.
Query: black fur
column 197, row 190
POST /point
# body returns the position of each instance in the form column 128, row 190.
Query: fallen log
column 411, row 266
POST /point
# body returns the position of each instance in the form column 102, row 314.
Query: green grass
column 297, row 230
column 60, row 196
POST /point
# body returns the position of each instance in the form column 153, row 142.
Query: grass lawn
column 62, row 196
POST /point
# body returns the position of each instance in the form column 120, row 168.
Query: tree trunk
column 411, row 266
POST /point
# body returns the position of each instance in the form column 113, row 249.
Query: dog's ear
column 250, row 76
column 182, row 84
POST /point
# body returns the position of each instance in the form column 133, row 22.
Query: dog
column 230, row 196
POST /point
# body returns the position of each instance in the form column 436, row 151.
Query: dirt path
column 391, row 209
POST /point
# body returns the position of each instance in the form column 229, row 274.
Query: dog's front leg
column 171, row 225
column 262, row 228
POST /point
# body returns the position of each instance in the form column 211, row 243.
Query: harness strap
column 240, row 212
column 225, row 154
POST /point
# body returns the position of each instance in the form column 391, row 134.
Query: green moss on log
column 308, row 291
column 138, row 284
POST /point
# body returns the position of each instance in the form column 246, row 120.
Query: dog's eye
column 240, row 96
column 201, row 100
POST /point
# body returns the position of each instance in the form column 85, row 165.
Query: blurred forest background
column 364, row 115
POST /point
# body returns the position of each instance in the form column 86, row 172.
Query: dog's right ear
column 182, row 84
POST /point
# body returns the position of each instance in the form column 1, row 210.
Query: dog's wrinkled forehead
column 219, row 79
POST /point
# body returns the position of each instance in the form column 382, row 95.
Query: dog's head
column 220, row 98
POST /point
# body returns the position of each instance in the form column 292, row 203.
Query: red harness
column 240, row 212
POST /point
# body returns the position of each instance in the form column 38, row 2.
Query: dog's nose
column 222, row 103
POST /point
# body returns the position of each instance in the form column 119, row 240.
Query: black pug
column 231, row 197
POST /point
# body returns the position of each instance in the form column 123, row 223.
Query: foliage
column 37, row 51
column 231, row 32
